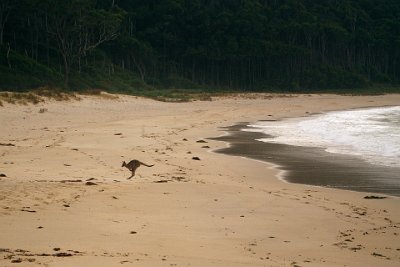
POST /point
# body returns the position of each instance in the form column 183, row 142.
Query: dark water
column 313, row 166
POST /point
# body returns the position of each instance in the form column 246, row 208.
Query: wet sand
column 313, row 166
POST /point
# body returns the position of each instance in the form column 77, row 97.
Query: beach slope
column 66, row 201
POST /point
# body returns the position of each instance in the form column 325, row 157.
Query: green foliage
column 114, row 81
column 23, row 73
column 329, row 77
column 138, row 46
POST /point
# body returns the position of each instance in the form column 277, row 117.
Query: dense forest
column 257, row 45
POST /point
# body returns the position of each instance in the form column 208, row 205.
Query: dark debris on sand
column 21, row 255
column 7, row 144
column 374, row 197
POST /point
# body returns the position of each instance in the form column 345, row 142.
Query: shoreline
column 227, row 133
column 192, row 208
column 290, row 165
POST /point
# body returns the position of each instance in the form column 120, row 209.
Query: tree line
column 238, row 44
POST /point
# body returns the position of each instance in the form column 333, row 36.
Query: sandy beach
column 65, row 199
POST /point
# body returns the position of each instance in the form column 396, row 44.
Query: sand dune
column 65, row 200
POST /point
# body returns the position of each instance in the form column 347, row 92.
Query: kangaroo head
column 123, row 164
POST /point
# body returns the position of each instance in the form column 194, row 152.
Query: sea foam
column 372, row 134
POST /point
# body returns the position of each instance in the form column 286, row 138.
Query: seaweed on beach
column 374, row 197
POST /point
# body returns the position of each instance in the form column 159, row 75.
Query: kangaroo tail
column 146, row 164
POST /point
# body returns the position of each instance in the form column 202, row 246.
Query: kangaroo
column 133, row 165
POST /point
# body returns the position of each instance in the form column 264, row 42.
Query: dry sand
column 217, row 211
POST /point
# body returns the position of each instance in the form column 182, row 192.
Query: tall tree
column 5, row 8
column 79, row 27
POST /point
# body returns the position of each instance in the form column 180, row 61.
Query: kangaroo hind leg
column 133, row 173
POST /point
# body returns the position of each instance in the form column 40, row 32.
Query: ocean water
column 372, row 134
